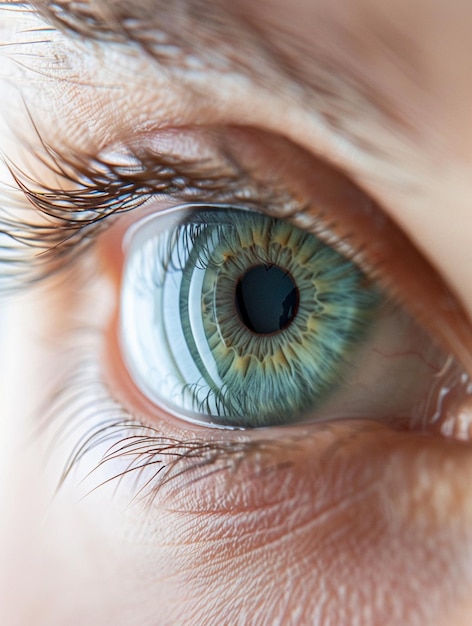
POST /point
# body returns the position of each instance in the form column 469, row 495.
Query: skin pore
column 353, row 522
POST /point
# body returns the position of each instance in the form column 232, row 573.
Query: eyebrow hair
column 120, row 19
column 168, row 30
column 216, row 34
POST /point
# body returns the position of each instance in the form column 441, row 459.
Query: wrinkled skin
column 361, row 524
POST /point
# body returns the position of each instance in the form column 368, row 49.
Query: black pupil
column 266, row 299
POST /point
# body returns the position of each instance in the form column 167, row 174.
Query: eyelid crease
column 221, row 36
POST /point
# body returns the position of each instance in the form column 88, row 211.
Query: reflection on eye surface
column 343, row 515
column 379, row 355
column 204, row 338
column 200, row 341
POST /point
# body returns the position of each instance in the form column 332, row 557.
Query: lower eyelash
column 110, row 446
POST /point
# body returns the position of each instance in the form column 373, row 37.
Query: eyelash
column 90, row 190
column 144, row 455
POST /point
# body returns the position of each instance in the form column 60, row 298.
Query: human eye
column 235, row 318
column 372, row 360
column 376, row 359
column 300, row 499
column 110, row 434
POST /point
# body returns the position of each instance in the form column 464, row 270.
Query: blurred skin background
column 349, row 522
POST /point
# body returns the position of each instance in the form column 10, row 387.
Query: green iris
column 281, row 312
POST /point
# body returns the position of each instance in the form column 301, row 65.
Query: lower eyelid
column 419, row 345
column 230, row 471
column 111, row 257
column 335, row 489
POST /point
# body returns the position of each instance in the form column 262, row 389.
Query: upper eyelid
column 66, row 230
column 61, row 217
column 64, row 239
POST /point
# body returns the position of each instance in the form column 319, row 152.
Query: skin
column 364, row 523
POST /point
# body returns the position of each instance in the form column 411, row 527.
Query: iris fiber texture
column 324, row 306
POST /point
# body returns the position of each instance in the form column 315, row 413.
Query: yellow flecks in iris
column 253, row 238
column 313, row 324
column 280, row 359
column 282, row 237
column 242, row 365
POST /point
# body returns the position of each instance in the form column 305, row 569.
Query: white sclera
column 391, row 373
column 151, row 334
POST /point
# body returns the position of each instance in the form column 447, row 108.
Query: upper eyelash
column 90, row 189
